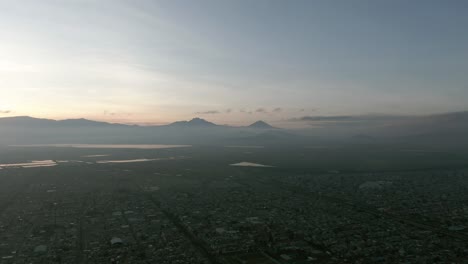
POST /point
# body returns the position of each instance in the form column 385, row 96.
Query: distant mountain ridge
column 29, row 130
column 31, row 121
column 441, row 129
column 195, row 122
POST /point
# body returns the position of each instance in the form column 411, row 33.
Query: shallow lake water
column 32, row 164
column 250, row 164
column 106, row 146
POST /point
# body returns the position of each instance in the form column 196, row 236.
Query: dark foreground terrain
column 351, row 204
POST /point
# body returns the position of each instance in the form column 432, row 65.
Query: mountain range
column 81, row 122
column 431, row 130
column 29, row 130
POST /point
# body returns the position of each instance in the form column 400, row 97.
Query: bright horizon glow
column 231, row 62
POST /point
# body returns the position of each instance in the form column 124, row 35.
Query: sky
column 231, row 62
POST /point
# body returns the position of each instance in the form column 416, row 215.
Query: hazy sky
column 231, row 61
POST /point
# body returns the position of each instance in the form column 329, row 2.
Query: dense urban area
column 181, row 206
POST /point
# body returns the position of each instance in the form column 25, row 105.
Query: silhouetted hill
column 85, row 122
column 27, row 121
column 261, row 125
column 195, row 122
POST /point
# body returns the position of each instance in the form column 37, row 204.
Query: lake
column 32, row 164
column 105, row 146
column 250, row 164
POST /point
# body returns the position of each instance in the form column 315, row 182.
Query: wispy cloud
column 107, row 113
column 209, row 112
column 261, row 110
column 346, row 118
column 5, row 111
column 245, row 111
column 310, row 110
column 110, row 113
column 321, row 118
column 278, row 110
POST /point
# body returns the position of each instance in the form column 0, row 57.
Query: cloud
column 109, row 113
column 347, row 118
column 210, row 112
column 308, row 110
column 321, row 118
column 228, row 111
column 278, row 110
column 261, row 110
column 5, row 111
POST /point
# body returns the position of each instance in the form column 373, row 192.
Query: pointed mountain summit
column 261, row 125
column 196, row 122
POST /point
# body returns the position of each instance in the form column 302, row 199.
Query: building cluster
column 404, row 217
column 51, row 225
column 333, row 218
